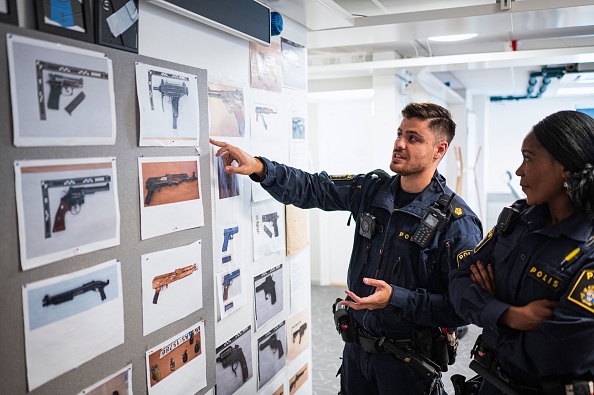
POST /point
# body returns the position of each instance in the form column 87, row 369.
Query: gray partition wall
column 127, row 151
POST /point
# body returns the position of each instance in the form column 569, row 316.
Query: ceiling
column 357, row 38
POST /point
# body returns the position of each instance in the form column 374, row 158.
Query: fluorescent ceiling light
column 576, row 91
column 455, row 37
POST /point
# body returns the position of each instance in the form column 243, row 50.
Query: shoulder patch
column 484, row 241
column 461, row 255
column 582, row 293
column 342, row 177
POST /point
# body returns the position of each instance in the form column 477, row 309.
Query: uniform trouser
column 378, row 374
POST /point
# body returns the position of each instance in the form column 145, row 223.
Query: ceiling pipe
column 546, row 73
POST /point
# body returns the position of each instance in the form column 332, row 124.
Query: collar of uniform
column 576, row 227
column 384, row 198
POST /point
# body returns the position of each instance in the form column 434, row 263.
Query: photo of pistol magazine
column 65, row 207
column 227, row 110
column 168, row 104
column 81, row 312
column 272, row 356
column 71, row 90
column 268, row 291
column 234, row 362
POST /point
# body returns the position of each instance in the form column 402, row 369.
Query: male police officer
column 398, row 273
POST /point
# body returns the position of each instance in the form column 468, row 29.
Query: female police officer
column 530, row 282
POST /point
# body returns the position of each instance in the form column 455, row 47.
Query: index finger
column 217, row 143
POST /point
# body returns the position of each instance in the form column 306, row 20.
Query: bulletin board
column 126, row 151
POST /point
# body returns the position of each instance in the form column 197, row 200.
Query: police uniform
column 418, row 276
column 527, row 259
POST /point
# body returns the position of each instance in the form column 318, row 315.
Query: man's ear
column 441, row 149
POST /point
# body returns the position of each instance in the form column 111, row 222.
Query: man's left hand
column 378, row 300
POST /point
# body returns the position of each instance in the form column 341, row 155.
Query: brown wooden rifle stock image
column 162, row 281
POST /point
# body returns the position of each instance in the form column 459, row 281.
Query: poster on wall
column 294, row 64
column 171, row 285
column 65, row 207
column 118, row 383
column 266, row 71
column 8, row 12
column 60, row 95
column 300, row 281
column 228, row 246
column 298, row 379
column 168, row 105
column 268, row 295
column 231, row 290
column 298, row 333
column 268, row 228
column 71, row 319
column 226, row 110
column 272, row 355
column 267, row 117
column 170, row 195
column 234, row 363
column 178, row 365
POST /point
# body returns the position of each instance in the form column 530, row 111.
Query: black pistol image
column 300, row 332
column 227, row 281
column 272, row 219
column 233, row 101
column 232, row 356
column 275, row 344
column 173, row 92
column 69, row 295
column 228, row 233
column 61, row 85
column 72, row 201
column 268, row 286
column 156, row 183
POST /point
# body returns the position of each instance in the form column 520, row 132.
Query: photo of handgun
column 233, row 356
column 156, row 183
column 162, row 281
column 62, row 85
column 228, row 234
column 227, row 281
column 272, row 219
column 268, row 286
column 260, row 111
column 297, row 377
column 275, row 344
column 69, row 295
column 300, row 332
column 233, row 101
column 172, row 92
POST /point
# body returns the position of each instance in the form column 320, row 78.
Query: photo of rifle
column 233, row 101
column 300, row 332
column 260, row 111
column 233, row 356
column 268, row 286
column 72, row 200
column 275, row 344
column 162, row 281
column 271, row 218
column 69, row 295
column 227, row 281
column 228, row 235
column 156, row 183
column 170, row 90
column 297, row 377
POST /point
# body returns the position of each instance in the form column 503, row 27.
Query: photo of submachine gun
column 62, row 80
column 72, row 200
column 272, row 219
column 227, row 281
column 268, row 286
column 170, row 90
column 233, row 101
column 156, row 183
column 162, row 281
column 297, row 377
column 300, row 332
column 228, row 234
column 274, row 344
column 69, row 295
column 260, row 111
column 233, row 356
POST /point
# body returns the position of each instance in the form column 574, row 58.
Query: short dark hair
column 440, row 119
column 569, row 137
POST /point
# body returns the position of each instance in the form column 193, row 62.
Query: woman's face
column 541, row 176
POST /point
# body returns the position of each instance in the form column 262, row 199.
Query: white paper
column 272, row 353
column 226, row 109
column 267, row 118
column 268, row 228
column 234, row 280
column 119, row 382
column 61, row 335
column 177, row 275
column 298, row 333
column 300, row 280
column 268, row 295
column 231, row 373
column 294, row 64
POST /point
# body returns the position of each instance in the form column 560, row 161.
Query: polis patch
column 342, row 177
column 404, row 236
column 544, row 278
column 461, row 255
column 484, row 241
column 582, row 293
